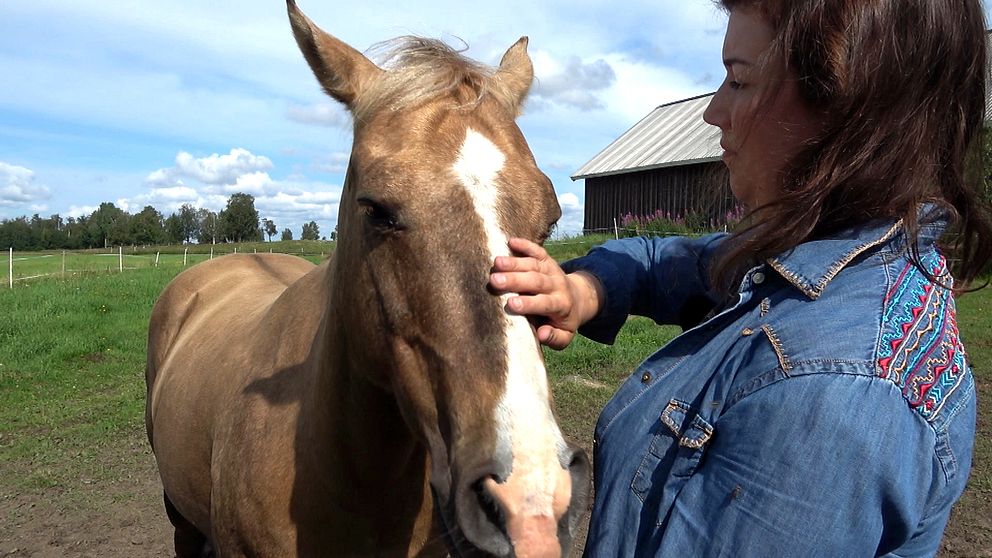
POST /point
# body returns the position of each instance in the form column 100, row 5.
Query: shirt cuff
column 615, row 307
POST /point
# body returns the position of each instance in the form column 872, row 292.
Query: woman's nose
column 716, row 113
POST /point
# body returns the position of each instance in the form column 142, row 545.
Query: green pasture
column 72, row 355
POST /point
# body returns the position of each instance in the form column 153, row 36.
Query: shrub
column 662, row 223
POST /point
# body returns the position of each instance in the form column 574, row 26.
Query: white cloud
column 18, row 187
column 641, row 86
column 78, row 211
column 207, row 182
column 175, row 193
column 322, row 114
column 254, row 183
column 572, row 212
column 336, row 162
column 572, row 83
column 215, row 169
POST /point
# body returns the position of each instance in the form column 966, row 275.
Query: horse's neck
column 362, row 447
column 360, row 420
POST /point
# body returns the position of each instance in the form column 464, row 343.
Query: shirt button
column 645, row 378
column 747, row 331
column 758, row 278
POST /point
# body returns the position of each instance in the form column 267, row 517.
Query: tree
column 310, row 231
column 17, row 234
column 147, row 227
column 189, row 224
column 206, row 226
column 108, row 225
column 239, row 220
column 75, row 232
column 174, row 230
column 269, row 228
column 287, row 234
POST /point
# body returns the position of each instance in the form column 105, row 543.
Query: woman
column 819, row 402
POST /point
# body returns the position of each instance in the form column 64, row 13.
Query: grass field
column 76, row 475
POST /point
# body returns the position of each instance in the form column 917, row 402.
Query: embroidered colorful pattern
column 920, row 349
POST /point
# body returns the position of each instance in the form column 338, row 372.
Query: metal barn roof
column 672, row 134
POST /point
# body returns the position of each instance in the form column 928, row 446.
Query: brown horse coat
column 383, row 402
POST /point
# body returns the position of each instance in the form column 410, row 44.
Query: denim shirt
column 829, row 412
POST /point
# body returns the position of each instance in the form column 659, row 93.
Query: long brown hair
column 901, row 87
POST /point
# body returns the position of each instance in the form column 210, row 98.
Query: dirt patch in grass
column 95, row 357
column 121, row 517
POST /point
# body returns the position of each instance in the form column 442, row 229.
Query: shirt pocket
column 680, row 439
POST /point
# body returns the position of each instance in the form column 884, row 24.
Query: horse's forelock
column 420, row 69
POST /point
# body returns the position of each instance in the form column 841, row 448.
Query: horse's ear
column 516, row 72
column 341, row 70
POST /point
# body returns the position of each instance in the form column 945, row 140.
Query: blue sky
column 164, row 103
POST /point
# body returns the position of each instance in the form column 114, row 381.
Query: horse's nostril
column 579, row 463
column 492, row 510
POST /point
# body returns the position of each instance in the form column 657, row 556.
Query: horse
column 384, row 402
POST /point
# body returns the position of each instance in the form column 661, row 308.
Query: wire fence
column 23, row 267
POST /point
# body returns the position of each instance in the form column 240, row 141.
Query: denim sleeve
column 665, row 279
column 815, row 465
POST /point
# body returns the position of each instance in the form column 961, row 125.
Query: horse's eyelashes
column 379, row 215
column 547, row 233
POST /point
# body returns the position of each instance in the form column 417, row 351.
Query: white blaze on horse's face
column 537, row 492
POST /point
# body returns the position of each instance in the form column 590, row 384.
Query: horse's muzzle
column 491, row 510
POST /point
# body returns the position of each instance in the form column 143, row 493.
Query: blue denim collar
column 811, row 265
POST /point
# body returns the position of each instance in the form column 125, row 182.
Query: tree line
column 110, row 225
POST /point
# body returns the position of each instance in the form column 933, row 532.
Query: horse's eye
column 379, row 215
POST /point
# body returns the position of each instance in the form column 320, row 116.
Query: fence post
column 616, row 230
column 120, row 257
column 10, row 268
column 185, row 250
column 63, row 263
column 156, row 258
column 235, row 249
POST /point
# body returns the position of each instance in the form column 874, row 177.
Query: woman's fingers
column 552, row 306
column 526, row 282
column 554, row 337
column 541, row 289
column 524, row 247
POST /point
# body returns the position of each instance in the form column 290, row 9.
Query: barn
column 668, row 162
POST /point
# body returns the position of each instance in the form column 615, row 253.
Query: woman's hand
column 543, row 289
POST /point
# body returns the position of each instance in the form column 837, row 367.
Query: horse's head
column 439, row 178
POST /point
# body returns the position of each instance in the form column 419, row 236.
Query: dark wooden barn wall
column 700, row 188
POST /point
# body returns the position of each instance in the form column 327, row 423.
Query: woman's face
column 762, row 129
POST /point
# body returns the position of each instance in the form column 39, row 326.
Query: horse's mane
column 419, row 69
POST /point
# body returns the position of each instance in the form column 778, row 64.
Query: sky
column 164, row 103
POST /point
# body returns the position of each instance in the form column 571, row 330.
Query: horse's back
column 204, row 331
column 227, row 289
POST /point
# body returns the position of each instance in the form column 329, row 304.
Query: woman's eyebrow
column 731, row 61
